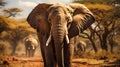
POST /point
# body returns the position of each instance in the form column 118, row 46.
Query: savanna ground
column 94, row 60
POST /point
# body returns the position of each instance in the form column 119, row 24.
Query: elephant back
column 31, row 41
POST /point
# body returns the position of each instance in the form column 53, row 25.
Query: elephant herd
column 57, row 25
column 31, row 44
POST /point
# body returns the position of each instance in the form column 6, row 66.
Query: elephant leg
column 42, row 46
column 83, row 48
column 68, row 53
column 50, row 56
column 29, row 53
column 26, row 52
column 33, row 53
column 46, row 51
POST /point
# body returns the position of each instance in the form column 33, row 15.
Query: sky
column 28, row 5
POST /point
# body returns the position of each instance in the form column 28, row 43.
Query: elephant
column 57, row 25
column 80, row 46
column 30, row 45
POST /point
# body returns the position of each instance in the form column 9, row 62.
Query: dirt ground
column 11, row 61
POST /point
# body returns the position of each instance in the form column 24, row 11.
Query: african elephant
column 30, row 45
column 56, row 26
column 81, row 45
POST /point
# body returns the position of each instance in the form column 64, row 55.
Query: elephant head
column 59, row 17
column 61, row 22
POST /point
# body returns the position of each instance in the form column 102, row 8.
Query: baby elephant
column 30, row 45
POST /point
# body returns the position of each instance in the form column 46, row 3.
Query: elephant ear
column 38, row 18
column 82, row 19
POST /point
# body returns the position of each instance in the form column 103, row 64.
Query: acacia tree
column 2, row 24
column 108, row 2
column 2, row 3
column 17, row 35
column 14, row 36
column 90, row 35
column 16, row 31
column 106, row 17
column 12, row 12
column 104, row 27
column 107, row 25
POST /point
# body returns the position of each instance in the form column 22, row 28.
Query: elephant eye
column 49, row 19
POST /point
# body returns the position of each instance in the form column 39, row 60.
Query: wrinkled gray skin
column 57, row 25
column 30, row 46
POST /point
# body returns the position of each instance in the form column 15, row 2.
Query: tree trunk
column 93, row 44
column 14, row 45
column 104, row 42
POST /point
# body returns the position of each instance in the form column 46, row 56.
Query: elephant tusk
column 67, row 39
column 48, row 41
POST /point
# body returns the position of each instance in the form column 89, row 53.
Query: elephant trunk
column 58, row 34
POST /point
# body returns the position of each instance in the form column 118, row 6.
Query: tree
column 16, row 35
column 3, row 24
column 2, row 3
column 12, row 12
column 108, row 2
column 106, row 15
column 90, row 35
column 15, row 32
